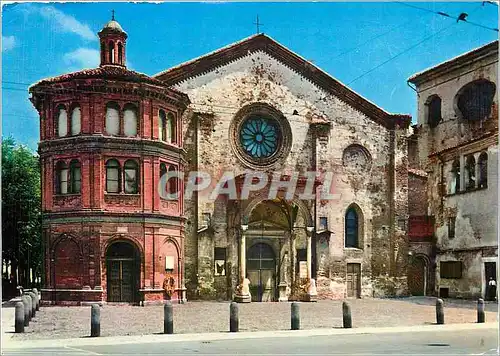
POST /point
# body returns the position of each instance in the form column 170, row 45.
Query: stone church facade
column 354, row 245
column 108, row 136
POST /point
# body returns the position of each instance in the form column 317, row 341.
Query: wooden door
column 353, row 280
column 121, row 281
column 416, row 276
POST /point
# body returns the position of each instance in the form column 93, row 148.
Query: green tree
column 21, row 210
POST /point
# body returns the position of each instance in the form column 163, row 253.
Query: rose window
column 259, row 137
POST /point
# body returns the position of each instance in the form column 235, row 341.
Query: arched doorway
column 123, row 268
column 261, row 270
column 417, row 276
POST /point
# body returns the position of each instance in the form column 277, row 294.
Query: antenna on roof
column 258, row 24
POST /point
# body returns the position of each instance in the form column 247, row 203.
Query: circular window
column 260, row 135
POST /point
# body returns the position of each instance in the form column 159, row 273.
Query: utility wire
column 400, row 53
column 444, row 14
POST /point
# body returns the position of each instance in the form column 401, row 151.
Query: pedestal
column 283, row 296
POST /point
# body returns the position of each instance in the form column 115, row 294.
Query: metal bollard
column 168, row 318
column 439, row 312
column 295, row 316
column 27, row 307
column 480, row 311
column 95, row 321
column 33, row 303
column 37, row 299
column 346, row 315
column 234, row 321
column 19, row 317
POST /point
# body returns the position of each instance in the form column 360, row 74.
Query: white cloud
column 82, row 58
column 67, row 23
column 8, row 42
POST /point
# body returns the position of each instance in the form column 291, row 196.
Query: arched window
column 112, row 119
column 475, row 99
column 171, row 128
column 61, row 177
column 111, row 52
column 120, row 53
column 130, row 120
column 113, row 182
column 162, row 126
column 76, row 121
column 62, row 122
column 352, row 228
column 470, row 173
column 75, row 175
column 433, row 109
column 455, row 177
column 483, row 170
column 131, row 176
column 172, row 182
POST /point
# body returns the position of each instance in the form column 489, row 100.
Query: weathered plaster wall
column 366, row 181
column 475, row 210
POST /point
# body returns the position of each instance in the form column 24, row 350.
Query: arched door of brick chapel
column 123, row 272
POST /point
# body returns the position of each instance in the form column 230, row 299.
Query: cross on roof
column 113, row 15
column 258, row 24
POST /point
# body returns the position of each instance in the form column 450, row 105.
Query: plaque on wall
column 169, row 263
column 220, row 267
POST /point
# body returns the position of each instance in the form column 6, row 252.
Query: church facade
column 253, row 115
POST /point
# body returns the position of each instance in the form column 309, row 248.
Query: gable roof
column 266, row 44
column 455, row 63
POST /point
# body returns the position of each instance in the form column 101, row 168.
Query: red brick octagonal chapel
column 107, row 135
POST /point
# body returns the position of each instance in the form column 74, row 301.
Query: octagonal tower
column 107, row 135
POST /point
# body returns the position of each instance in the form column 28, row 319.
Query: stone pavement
column 210, row 317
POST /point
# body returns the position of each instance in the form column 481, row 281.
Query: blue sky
column 42, row 40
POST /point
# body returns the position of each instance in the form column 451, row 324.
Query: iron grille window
column 451, row 269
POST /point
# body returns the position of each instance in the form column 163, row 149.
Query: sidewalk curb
column 157, row 338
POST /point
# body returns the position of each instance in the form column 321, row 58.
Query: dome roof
column 113, row 26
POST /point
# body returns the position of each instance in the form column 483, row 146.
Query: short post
column 234, row 319
column 26, row 308
column 33, row 303
column 346, row 315
column 19, row 317
column 295, row 316
column 30, row 304
column 168, row 318
column 37, row 299
column 480, row 311
column 95, row 321
column 439, row 312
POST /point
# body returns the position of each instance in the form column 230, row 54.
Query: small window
column 130, row 120
column 75, row 177
column 131, row 175
column 171, row 128
column 220, row 261
column 172, row 182
column 483, row 170
column 451, row 227
column 351, row 228
column 111, row 52
column 433, row 110
column 61, row 177
column 120, row 53
column 455, row 177
column 162, row 126
column 323, row 223
column 475, row 100
column 470, row 173
column 62, row 122
column 113, row 175
column 450, row 269
column 76, row 121
column 112, row 119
